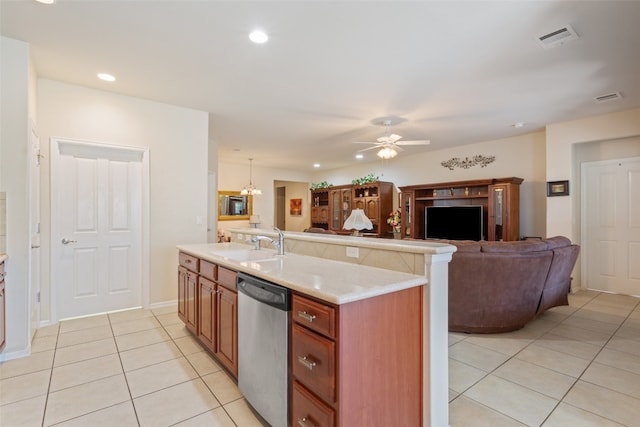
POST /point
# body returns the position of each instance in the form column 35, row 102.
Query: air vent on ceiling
column 608, row 97
column 558, row 37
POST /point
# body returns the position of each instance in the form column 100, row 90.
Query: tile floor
column 574, row 366
column 131, row 368
column 577, row 365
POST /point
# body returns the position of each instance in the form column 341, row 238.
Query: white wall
column 233, row 177
column 14, row 118
column 296, row 190
column 177, row 139
column 562, row 217
column 522, row 156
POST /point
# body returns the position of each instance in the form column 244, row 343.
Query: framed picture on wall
column 295, row 207
column 557, row 188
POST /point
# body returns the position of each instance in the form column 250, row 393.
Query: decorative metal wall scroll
column 466, row 163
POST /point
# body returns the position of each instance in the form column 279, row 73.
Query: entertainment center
column 482, row 209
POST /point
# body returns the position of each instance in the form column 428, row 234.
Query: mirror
column 232, row 206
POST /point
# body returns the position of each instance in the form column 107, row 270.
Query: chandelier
column 250, row 190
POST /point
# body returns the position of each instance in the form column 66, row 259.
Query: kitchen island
column 385, row 340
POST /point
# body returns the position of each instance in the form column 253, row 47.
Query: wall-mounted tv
column 453, row 222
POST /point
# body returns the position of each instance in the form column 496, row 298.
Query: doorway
column 99, row 196
column 611, row 225
column 281, row 200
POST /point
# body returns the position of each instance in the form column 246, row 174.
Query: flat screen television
column 453, row 222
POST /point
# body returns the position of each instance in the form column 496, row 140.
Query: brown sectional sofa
column 500, row 286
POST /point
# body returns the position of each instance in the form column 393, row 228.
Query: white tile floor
column 574, row 366
column 577, row 365
column 133, row 368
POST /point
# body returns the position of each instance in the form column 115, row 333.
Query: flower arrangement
column 365, row 179
column 323, row 184
column 394, row 220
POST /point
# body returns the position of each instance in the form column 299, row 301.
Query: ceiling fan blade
column 383, row 140
column 364, row 142
column 393, row 138
column 421, row 142
column 370, row 148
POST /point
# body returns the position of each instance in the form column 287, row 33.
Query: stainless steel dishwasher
column 264, row 310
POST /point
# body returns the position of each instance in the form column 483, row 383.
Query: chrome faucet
column 279, row 244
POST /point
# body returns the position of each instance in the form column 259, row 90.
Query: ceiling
column 452, row 72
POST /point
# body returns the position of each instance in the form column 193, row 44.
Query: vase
column 397, row 234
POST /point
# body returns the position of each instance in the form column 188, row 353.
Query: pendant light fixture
column 250, row 190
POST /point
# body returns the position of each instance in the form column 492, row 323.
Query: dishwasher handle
column 265, row 292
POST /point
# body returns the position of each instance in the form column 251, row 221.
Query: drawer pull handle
column 304, row 422
column 187, row 261
column 308, row 363
column 306, row 316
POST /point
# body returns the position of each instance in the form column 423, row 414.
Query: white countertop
column 332, row 281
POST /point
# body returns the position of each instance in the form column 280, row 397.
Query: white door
column 34, row 228
column 96, row 237
column 611, row 221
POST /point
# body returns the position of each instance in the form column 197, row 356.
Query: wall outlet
column 353, row 252
column 240, row 237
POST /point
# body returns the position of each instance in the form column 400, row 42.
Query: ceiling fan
column 389, row 145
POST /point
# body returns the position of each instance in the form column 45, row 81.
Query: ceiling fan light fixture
column 387, row 153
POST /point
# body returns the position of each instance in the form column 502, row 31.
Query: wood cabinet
column 320, row 208
column 3, row 307
column 340, row 205
column 187, row 291
column 499, row 198
column 210, row 310
column 357, row 363
column 331, row 207
column 227, row 320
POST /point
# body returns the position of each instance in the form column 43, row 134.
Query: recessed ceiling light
column 316, row 165
column 518, row 125
column 106, row 77
column 46, row 1
column 258, row 37
column 359, row 156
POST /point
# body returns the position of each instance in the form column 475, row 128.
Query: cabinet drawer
column 313, row 362
column 314, row 315
column 208, row 270
column 308, row 411
column 188, row 261
column 227, row 278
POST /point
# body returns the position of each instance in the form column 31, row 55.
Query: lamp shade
column 254, row 220
column 357, row 221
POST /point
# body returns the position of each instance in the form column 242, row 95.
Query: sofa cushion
column 557, row 242
column 516, row 246
column 466, row 245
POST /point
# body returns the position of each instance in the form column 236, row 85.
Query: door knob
column 66, row 241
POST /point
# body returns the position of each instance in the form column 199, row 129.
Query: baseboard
column 15, row 355
column 164, row 304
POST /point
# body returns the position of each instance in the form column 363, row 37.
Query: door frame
column 584, row 247
column 144, row 208
column 35, row 236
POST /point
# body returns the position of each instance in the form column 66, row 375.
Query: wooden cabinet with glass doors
column 499, row 198
column 340, row 205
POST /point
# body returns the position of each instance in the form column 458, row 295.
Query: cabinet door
column 191, row 302
column 227, row 328
column 371, row 209
column 207, row 310
column 336, row 210
column 182, row 293
column 504, row 212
